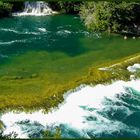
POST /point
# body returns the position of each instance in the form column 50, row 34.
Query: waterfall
column 38, row 8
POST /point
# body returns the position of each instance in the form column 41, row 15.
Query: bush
column 5, row 9
column 69, row 7
column 111, row 16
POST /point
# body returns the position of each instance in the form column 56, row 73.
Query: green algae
column 38, row 73
column 53, row 95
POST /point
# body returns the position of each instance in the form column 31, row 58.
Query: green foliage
column 5, row 9
column 111, row 16
column 69, row 7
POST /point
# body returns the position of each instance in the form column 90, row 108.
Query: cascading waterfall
column 38, row 8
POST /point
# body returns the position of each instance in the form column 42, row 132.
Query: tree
column 111, row 16
column 69, row 7
column 5, row 9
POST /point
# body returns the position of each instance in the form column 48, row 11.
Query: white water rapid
column 103, row 110
column 38, row 8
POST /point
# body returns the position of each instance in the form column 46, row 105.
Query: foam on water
column 87, row 113
column 19, row 32
column 42, row 29
column 38, row 8
column 133, row 68
column 13, row 41
column 63, row 32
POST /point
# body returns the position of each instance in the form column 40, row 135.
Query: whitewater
column 38, row 8
column 88, row 111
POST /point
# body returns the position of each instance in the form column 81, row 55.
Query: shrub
column 5, row 9
column 111, row 16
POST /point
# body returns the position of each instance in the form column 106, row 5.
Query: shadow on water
column 52, row 34
column 33, row 43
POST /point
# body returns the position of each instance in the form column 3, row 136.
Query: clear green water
column 39, row 54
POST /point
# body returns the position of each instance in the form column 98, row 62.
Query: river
column 41, row 53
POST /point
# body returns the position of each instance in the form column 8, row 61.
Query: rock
column 133, row 37
column 125, row 37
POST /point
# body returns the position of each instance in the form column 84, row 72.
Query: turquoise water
column 58, row 50
column 55, row 50
column 57, row 41
column 117, row 118
column 110, row 111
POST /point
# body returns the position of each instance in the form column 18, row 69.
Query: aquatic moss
column 117, row 71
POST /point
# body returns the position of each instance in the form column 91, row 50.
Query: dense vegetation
column 66, row 7
column 111, row 16
column 5, row 9
column 60, row 6
column 97, row 16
